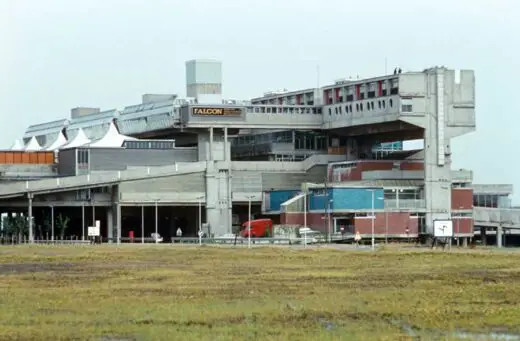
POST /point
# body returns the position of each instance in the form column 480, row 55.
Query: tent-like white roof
column 32, row 145
column 58, row 142
column 17, row 145
column 79, row 140
column 112, row 139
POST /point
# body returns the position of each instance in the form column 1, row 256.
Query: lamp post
column 200, row 218
column 156, row 223
column 374, row 216
column 329, row 228
column 305, row 218
column 249, row 197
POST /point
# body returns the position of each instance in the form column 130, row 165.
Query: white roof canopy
column 112, row 139
column 58, row 142
column 79, row 140
column 17, row 145
column 32, row 145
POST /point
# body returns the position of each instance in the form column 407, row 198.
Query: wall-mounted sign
column 207, row 111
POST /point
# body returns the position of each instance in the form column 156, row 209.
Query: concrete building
column 319, row 147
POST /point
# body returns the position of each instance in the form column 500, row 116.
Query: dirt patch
column 10, row 269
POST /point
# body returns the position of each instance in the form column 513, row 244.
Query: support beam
column 142, row 224
column 110, row 224
column 83, row 234
column 500, row 231
column 52, row 223
column 30, row 217
column 118, row 222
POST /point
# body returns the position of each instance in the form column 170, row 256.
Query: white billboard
column 443, row 228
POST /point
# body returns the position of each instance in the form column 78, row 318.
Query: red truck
column 259, row 228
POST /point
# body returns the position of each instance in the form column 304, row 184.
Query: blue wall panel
column 277, row 198
column 346, row 199
column 357, row 199
column 318, row 199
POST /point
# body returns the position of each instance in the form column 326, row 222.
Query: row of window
column 284, row 110
column 355, row 92
column 302, row 140
column 360, row 107
column 149, row 144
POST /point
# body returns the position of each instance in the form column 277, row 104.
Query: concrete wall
column 288, row 180
column 181, row 183
column 67, row 162
column 104, row 159
column 112, row 159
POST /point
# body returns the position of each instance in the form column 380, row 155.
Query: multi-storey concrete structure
column 229, row 153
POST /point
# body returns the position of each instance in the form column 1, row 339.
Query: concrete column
column 30, row 217
column 118, row 222
column 83, row 232
column 499, row 236
column 465, row 242
column 211, row 152
column 110, row 224
column 437, row 154
column 218, row 205
column 226, row 156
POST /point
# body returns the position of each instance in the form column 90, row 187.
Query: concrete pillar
column 465, row 242
column 226, row 154
column 110, row 224
column 30, row 217
column 218, row 204
column 118, row 222
column 437, row 155
column 211, row 146
column 499, row 236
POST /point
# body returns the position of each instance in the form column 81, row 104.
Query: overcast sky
column 59, row 54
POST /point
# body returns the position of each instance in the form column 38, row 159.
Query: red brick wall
column 412, row 166
column 354, row 174
column 462, row 225
column 397, row 224
column 462, row 198
column 315, row 221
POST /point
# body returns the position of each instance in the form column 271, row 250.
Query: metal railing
column 238, row 241
column 405, row 204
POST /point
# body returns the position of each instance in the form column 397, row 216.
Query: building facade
column 330, row 157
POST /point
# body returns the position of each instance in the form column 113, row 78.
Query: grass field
column 209, row 293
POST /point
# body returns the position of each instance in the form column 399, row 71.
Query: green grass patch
column 212, row 293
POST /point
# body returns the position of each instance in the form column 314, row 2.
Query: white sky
column 59, row 54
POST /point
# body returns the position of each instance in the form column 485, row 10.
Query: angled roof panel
column 148, row 117
column 45, row 128
column 93, row 119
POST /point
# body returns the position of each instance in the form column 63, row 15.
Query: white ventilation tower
column 204, row 80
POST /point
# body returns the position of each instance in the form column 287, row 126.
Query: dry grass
column 210, row 293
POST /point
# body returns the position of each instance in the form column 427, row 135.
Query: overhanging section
column 251, row 117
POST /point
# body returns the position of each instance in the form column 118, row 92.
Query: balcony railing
column 405, row 204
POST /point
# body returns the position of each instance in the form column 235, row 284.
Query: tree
column 20, row 227
column 7, row 226
column 46, row 226
column 62, row 223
